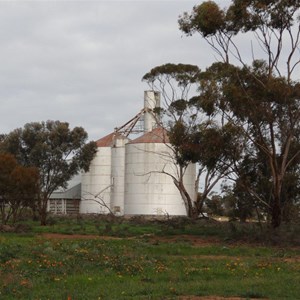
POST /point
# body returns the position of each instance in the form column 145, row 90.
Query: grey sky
column 82, row 61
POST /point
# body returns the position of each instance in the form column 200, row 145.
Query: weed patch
column 144, row 260
column 39, row 268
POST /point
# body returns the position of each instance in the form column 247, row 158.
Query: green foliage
column 206, row 18
column 251, row 15
column 194, row 138
column 174, row 81
column 256, row 98
column 214, row 205
column 9, row 251
column 239, row 205
column 241, row 16
column 18, row 188
column 183, row 74
column 265, row 108
column 55, row 150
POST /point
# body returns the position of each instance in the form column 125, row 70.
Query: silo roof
column 157, row 135
column 108, row 140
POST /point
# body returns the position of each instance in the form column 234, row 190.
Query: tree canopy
column 57, row 151
column 260, row 98
column 194, row 139
column 18, row 187
column 243, row 116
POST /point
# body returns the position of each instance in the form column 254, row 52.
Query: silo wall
column 118, row 176
column 147, row 190
column 96, row 184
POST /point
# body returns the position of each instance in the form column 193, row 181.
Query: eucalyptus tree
column 57, row 151
column 18, row 187
column 194, row 138
column 260, row 98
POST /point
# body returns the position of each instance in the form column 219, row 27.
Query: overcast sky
column 82, row 61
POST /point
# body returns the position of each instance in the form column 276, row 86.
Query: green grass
column 32, row 267
column 149, row 260
column 107, row 226
column 97, row 226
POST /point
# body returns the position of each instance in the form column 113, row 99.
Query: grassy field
column 146, row 261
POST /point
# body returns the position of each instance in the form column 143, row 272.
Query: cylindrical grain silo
column 118, row 174
column 151, row 101
column 96, row 184
column 149, row 167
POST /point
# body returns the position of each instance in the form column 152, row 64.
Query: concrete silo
column 102, row 188
column 96, row 184
column 149, row 167
column 135, row 177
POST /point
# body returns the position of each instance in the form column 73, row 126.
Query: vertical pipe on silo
column 118, row 175
column 151, row 101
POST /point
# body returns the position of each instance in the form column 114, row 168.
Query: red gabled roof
column 108, row 140
column 157, row 135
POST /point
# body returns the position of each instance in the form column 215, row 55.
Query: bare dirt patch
column 216, row 298
column 194, row 240
column 295, row 259
column 76, row 236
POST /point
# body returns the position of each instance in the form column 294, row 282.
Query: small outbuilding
column 65, row 201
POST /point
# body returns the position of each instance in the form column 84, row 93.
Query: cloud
column 82, row 61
